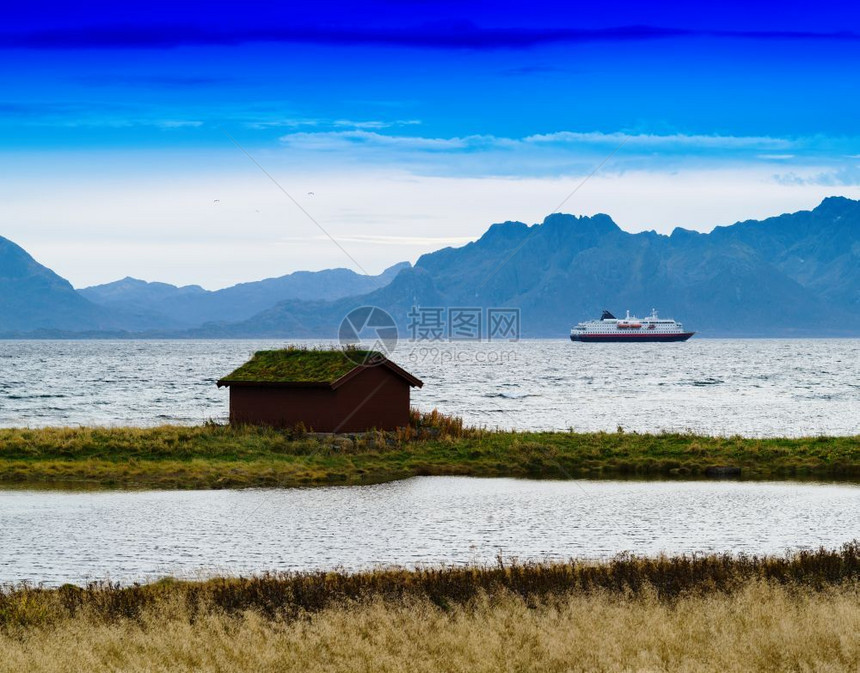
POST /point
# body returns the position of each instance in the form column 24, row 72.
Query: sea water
column 750, row 387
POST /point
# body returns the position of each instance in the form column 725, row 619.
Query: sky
column 215, row 143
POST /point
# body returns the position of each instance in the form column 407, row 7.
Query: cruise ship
column 630, row 328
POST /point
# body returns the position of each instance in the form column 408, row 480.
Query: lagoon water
column 58, row 537
column 751, row 387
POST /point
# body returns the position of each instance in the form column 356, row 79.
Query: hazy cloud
column 334, row 123
column 568, row 151
column 837, row 176
column 564, row 139
column 177, row 123
column 99, row 226
column 666, row 140
column 377, row 124
column 437, row 35
column 334, row 140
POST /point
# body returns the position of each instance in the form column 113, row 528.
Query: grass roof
column 300, row 365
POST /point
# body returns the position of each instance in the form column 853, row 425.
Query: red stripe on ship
column 651, row 335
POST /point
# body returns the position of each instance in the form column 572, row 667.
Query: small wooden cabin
column 325, row 390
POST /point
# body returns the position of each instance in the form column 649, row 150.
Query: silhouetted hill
column 34, row 297
column 820, row 249
column 191, row 305
column 792, row 275
column 322, row 319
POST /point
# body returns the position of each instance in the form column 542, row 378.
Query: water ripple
column 766, row 387
column 132, row 536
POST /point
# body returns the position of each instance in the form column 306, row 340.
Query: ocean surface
column 751, row 387
column 127, row 536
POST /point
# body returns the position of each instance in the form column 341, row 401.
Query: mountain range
column 189, row 306
column 796, row 274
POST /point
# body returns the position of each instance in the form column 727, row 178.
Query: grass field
column 713, row 613
column 214, row 456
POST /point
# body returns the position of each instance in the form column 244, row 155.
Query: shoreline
column 669, row 575
column 215, row 456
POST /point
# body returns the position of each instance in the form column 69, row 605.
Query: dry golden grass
column 799, row 612
column 760, row 627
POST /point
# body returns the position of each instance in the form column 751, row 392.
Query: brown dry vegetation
column 760, row 627
column 707, row 613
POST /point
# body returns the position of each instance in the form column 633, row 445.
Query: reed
column 290, row 595
column 706, row 613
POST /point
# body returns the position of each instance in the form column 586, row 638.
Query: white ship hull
column 630, row 329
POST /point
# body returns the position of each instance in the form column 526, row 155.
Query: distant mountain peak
column 838, row 199
column 681, row 232
column 17, row 263
column 395, row 269
column 600, row 222
column 835, row 206
column 130, row 281
column 502, row 232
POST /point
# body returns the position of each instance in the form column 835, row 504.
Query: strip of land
column 705, row 613
column 215, row 456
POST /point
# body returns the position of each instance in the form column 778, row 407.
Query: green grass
column 214, row 456
column 300, row 365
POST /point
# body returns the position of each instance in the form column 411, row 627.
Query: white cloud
column 556, row 153
column 178, row 123
column 341, row 123
column 563, row 138
column 668, row 140
column 108, row 220
column 333, row 123
column 286, row 123
column 339, row 140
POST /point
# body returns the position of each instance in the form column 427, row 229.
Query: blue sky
column 405, row 126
